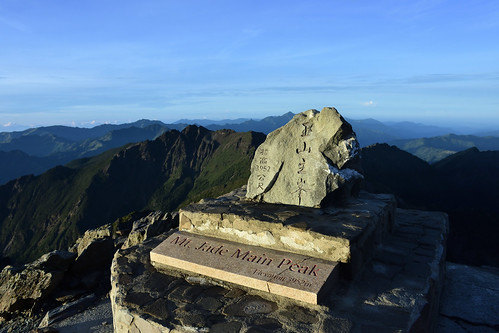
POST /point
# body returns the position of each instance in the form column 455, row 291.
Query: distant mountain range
column 35, row 150
column 206, row 122
column 76, row 133
column 49, row 211
column 371, row 131
column 434, row 149
column 265, row 125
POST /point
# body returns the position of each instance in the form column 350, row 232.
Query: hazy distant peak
column 206, row 122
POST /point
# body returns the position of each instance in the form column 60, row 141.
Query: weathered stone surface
column 95, row 250
column 249, row 306
column 150, row 226
column 312, row 161
column 55, row 260
column 470, row 299
column 281, row 273
column 89, row 237
column 384, row 298
column 23, row 287
column 345, row 234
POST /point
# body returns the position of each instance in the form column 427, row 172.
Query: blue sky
column 90, row 62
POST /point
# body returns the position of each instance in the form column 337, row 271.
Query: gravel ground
column 19, row 324
column 97, row 319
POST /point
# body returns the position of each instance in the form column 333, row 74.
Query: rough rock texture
column 470, row 302
column 22, row 288
column 62, row 275
column 346, row 234
column 398, row 291
column 90, row 236
column 58, row 284
column 95, row 250
column 312, row 161
column 152, row 225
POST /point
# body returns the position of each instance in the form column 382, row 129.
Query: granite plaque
column 285, row 274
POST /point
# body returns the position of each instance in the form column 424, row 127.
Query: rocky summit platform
column 296, row 250
column 346, row 234
column 397, row 290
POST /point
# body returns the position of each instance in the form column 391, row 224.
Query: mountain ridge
column 13, row 165
column 58, row 146
column 434, row 149
column 77, row 133
column 38, row 213
column 60, row 150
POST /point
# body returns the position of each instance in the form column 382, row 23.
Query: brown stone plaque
column 282, row 273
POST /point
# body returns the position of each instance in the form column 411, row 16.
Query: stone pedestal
column 276, row 248
column 397, row 290
column 344, row 234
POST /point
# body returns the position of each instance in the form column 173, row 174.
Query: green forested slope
column 42, row 213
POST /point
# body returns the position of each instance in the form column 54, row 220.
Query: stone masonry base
column 397, row 290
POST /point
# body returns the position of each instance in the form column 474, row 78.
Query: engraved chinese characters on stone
column 262, row 168
column 311, row 161
column 304, row 149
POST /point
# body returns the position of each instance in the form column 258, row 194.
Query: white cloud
column 9, row 124
column 88, row 123
column 369, row 103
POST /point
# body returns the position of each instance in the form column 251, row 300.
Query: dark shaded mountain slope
column 388, row 169
column 471, row 198
column 42, row 213
column 464, row 185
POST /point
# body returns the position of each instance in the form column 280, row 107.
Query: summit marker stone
column 311, row 161
column 281, row 273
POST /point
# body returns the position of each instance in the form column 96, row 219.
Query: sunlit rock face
column 311, row 161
